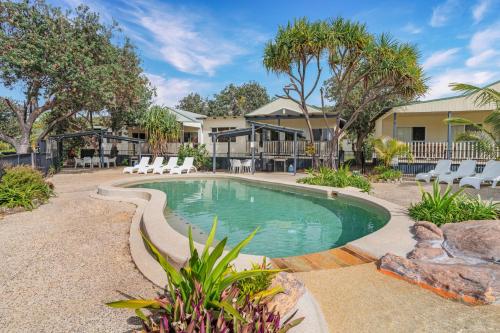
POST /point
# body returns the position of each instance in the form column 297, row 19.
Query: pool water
column 290, row 222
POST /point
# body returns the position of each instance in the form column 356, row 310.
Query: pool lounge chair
column 465, row 169
column 144, row 161
column 150, row 167
column 172, row 163
column 491, row 173
column 442, row 167
column 186, row 166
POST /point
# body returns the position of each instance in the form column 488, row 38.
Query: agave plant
column 203, row 295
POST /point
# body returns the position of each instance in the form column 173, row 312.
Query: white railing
column 285, row 148
column 424, row 151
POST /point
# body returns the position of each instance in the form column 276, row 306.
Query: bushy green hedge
column 447, row 207
column 22, row 186
column 386, row 173
column 343, row 177
column 200, row 154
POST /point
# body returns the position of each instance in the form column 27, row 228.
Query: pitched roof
column 281, row 106
column 187, row 117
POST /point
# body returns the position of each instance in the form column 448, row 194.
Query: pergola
column 254, row 127
column 100, row 134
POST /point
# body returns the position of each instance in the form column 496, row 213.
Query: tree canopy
column 64, row 63
column 233, row 100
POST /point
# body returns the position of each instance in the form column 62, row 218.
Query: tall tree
column 161, row 126
column 193, row 103
column 64, row 63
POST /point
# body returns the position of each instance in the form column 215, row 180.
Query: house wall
column 237, row 122
column 435, row 128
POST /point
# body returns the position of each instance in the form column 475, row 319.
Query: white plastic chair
column 491, row 173
column 109, row 160
column 442, row 167
column 87, row 160
column 144, row 161
column 246, row 165
column 465, row 169
column 96, row 160
column 172, row 163
column 150, row 167
column 235, row 166
column 186, row 166
column 78, row 162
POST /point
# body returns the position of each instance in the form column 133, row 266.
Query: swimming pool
column 291, row 222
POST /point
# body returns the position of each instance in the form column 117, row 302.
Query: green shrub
column 342, row 177
column 447, row 207
column 203, row 296
column 255, row 284
column 22, row 186
column 386, row 173
column 200, row 154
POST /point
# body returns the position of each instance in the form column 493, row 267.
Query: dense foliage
column 64, row 63
column 233, row 100
column 447, row 207
column 343, row 177
column 22, row 186
column 199, row 152
column 161, row 126
column 203, row 296
column 386, row 173
column 388, row 149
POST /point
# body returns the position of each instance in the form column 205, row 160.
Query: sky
column 202, row 46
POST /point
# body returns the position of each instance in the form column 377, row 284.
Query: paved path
column 62, row 261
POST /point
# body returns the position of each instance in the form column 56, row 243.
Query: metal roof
column 102, row 133
column 258, row 127
column 281, row 106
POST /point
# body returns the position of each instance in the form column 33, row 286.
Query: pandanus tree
column 388, row 149
column 487, row 134
column 161, row 126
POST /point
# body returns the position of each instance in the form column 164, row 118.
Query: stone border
column 149, row 219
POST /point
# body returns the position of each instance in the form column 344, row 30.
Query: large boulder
column 473, row 239
column 478, row 284
column 293, row 290
column 427, row 231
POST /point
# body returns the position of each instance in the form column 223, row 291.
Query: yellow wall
column 435, row 128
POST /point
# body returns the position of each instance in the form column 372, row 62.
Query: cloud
column 439, row 58
column 439, row 84
column 412, row 29
column 480, row 9
column 484, row 46
column 170, row 91
column 442, row 13
column 482, row 58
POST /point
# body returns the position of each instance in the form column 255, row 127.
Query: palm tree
column 161, row 126
column 388, row 149
column 487, row 134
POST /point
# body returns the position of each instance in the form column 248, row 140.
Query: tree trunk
column 360, row 139
column 23, row 145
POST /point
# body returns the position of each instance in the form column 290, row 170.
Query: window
column 408, row 134
column 221, row 129
column 317, row 134
column 138, row 135
column 191, row 137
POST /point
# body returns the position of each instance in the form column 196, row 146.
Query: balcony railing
column 430, row 151
column 285, row 148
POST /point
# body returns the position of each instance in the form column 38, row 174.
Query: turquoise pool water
column 290, row 222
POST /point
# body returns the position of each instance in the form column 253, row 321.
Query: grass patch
column 343, row 177
column 447, row 207
column 21, row 186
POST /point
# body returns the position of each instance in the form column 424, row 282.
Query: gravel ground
column 62, row 261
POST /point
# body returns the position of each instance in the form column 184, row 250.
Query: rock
column 473, row 239
column 427, row 253
column 427, row 231
column 476, row 284
column 293, row 290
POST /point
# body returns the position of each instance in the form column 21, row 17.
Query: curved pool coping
column 394, row 236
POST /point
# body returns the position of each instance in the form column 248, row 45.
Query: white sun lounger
column 144, row 161
column 465, row 169
column 150, row 167
column 491, row 173
column 186, row 166
column 172, row 163
column 442, row 167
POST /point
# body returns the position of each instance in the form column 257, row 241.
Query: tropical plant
column 487, row 134
column 448, row 207
column 255, row 284
column 386, row 173
column 64, row 63
column 342, row 177
column 203, row 295
column 22, row 186
column 161, row 126
column 387, row 149
column 199, row 152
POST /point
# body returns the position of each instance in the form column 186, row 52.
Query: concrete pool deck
column 74, row 250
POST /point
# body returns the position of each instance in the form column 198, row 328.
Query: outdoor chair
column 186, row 166
column 147, row 168
column 465, row 169
column 442, row 167
column 87, row 160
column 491, row 173
column 78, row 162
column 144, row 161
column 172, row 162
column 235, row 165
column 246, row 166
column 109, row 160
